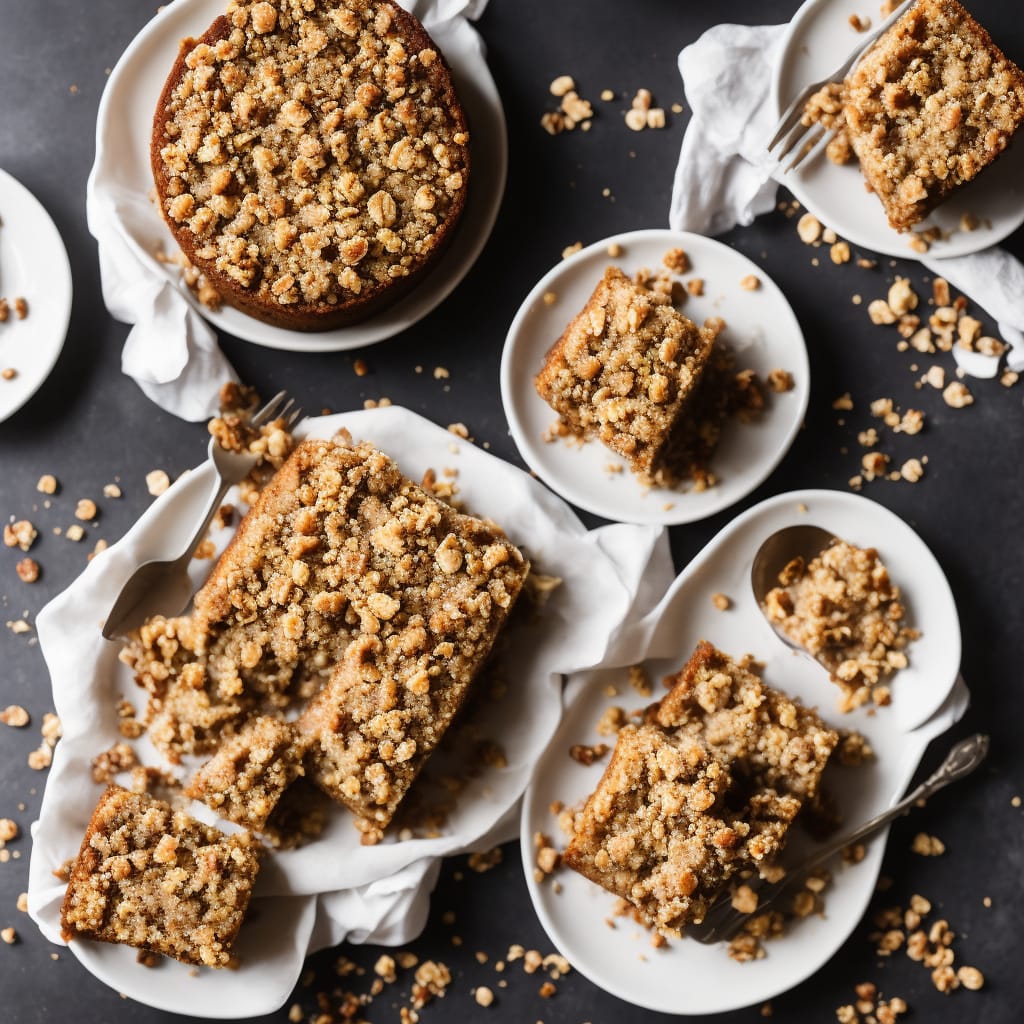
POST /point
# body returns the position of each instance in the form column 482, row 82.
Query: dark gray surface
column 89, row 424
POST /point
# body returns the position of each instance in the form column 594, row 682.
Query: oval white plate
column 123, row 130
column 819, row 40
column 761, row 328
column 33, row 264
column 686, row 977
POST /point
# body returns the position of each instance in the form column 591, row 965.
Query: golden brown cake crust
column 930, row 106
column 706, row 787
column 154, row 878
column 316, row 193
column 349, row 584
column 623, row 369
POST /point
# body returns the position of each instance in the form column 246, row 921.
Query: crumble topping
column 845, row 611
column 312, row 155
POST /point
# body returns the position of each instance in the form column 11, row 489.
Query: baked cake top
column 310, row 155
column 624, row 367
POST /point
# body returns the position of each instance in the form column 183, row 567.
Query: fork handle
column 214, row 503
column 958, row 763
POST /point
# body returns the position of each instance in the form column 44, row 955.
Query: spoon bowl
column 804, row 540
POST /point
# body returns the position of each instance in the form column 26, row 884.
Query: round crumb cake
column 311, row 157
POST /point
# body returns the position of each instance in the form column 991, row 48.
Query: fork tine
column 294, row 417
column 808, row 141
column 269, row 410
column 792, row 115
column 798, row 132
column 814, row 144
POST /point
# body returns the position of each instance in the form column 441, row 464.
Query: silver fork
column 723, row 921
column 164, row 586
column 790, row 132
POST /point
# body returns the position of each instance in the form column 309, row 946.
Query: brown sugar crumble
column 845, row 611
column 180, row 888
column 704, row 788
column 314, row 202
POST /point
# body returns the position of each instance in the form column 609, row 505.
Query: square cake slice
column 245, row 779
column 659, row 831
column 931, row 105
column 154, row 878
column 768, row 741
column 623, row 371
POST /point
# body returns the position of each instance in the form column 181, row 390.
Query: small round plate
column 686, row 977
column 122, row 165
column 33, row 264
column 761, row 328
column 818, row 41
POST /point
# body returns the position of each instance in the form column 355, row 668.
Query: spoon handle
column 959, row 762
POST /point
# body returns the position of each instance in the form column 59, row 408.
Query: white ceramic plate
column 688, row 978
column 819, row 39
column 33, row 264
column 761, row 328
column 125, row 123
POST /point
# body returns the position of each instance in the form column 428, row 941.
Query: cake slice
column 768, row 741
column 706, row 788
column 246, row 778
column 932, row 104
column 623, row 370
column 154, row 878
column 659, row 830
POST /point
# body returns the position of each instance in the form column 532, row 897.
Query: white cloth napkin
column 724, row 174
column 171, row 351
column 334, row 889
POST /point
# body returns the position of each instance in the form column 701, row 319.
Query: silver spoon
column 775, row 553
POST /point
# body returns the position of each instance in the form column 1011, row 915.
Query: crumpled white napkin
column 724, row 174
column 334, row 889
column 171, row 351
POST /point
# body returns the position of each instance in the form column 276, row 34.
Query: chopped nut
column 85, row 509
column 928, row 846
column 47, row 484
column 750, row 283
column 20, row 534
column 15, row 716
column 157, row 481
column 957, row 396
column 483, row 995
column 74, row 532
column 912, row 470
column 9, row 935
column 880, row 312
column 970, row 977
column 808, row 228
column 839, row 252
column 27, row 570
column 562, row 85
column 721, row 601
